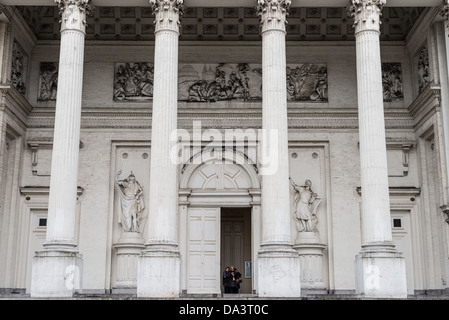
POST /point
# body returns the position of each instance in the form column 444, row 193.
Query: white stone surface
column 159, row 268
column 376, row 221
column 128, row 250
column 56, row 274
column 278, row 264
column 278, row 272
column 381, row 275
column 310, row 250
column 64, row 168
column 342, row 235
column 159, row 273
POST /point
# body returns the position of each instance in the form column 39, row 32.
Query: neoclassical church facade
column 146, row 147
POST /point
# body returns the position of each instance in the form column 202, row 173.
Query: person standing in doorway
column 235, row 278
column 238, row 280
column 227, row 279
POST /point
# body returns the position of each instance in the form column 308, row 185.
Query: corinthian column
column 276, row 255
column 159, row 265
column 380, row 269
column 57, row 269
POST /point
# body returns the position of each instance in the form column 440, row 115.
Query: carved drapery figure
column 18, row 68
column 48, row 81
column 392, row 82
column 423, row 69
column 131, row 202
column 306, row 204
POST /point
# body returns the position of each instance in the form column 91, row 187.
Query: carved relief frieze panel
column 392, row 82
column 217, row 82
column 423, row 69
column 18, row 67
column 133, row 81
column 48, row 81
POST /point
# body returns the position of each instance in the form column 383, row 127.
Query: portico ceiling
column 229, row 3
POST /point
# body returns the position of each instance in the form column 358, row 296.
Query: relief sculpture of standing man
column 131, row 202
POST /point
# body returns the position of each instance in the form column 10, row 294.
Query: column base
column 159, row 271
column 56, row 273
column 278, row 271
column 380, row 272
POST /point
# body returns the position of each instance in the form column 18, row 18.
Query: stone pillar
column 276, row 256
column 380, row 269
column 57, row 269
column 442, row 35
column 442, row 41
column 159, row 265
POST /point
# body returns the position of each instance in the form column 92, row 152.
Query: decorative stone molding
column 168, row 13
column 392, row 82
column 48, row 81
column 366, row 14
column 272, row 14
column 445, row 210
column 423, row 69
column 444, row 10
column 73, row 14
column 18, row 67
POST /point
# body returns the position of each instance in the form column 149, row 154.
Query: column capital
column 168, row 14
column 366, row 14
column 273, row 14
column 444, row 11
column 73, row 14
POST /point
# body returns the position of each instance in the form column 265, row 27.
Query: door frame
column 217, row 199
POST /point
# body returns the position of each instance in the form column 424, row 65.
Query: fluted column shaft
column 163, row 188
column 158, row 273
column 276, row 251
column 57, row 270
column 66, row 141
column 379, row 268
column 276, row 216
column 376, row 225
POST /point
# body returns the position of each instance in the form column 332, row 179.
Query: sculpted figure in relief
column 131, row 202
column 306, row 204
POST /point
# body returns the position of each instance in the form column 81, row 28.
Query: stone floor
column 237, row 297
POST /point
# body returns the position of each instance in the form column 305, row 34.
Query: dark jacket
column 227, row 279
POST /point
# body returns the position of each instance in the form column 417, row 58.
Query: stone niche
column 132, row 159
column 309, row 166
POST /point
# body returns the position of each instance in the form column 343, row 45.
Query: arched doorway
column 219, row 205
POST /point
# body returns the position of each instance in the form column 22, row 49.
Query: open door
column 203, row 251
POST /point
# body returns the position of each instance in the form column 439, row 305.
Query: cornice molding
column 13, row 101
column 224, row 118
